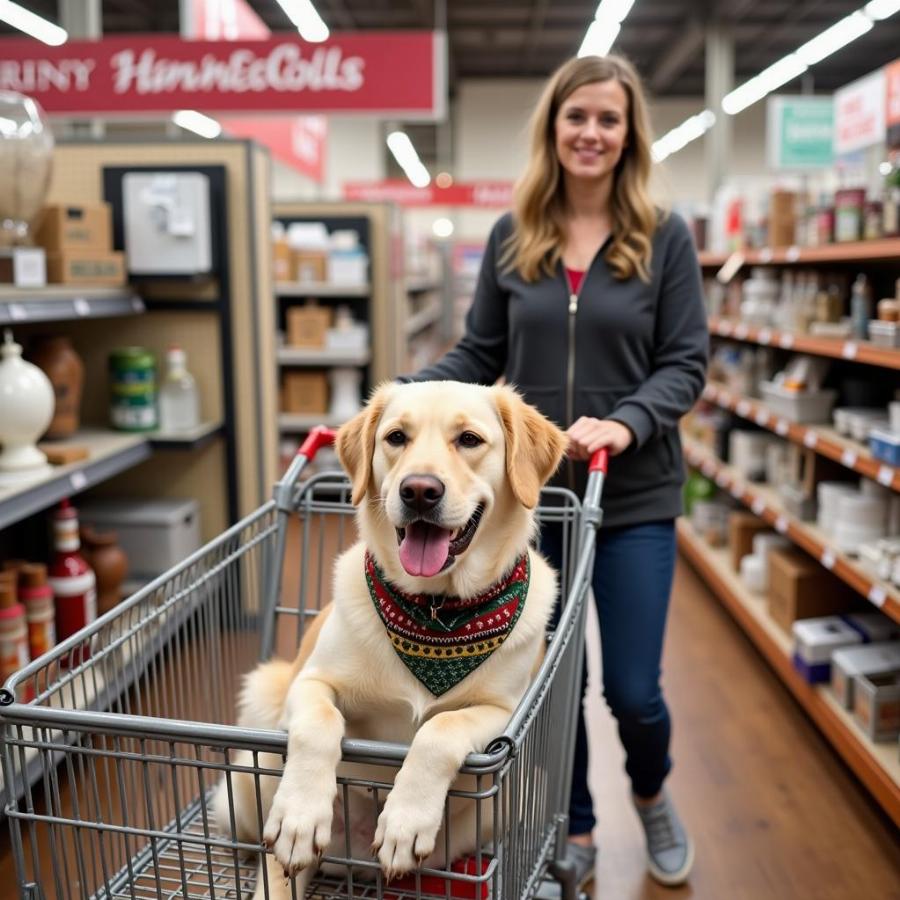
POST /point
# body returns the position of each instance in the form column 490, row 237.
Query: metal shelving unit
column 320, row 289
column 300, row 356
column 57, row 303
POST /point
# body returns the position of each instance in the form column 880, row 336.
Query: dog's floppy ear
column 355, row 442
column 534, row 445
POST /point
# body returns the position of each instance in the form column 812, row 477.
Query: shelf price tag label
column 810, row 439
column 765, row 254
column 781, row 524
column 78, row 480
column 758, row 506
column 781, row 427
column 785, row 340
column 137, row 304
column 743, row 408
column 848, row 458
column 762, row 418
column 82, row 307
column 17, row 312
column 741, row 331
column 849, row 350
column 792, row 254
column 877, row 595
column 724, row 328
column 885, row 475
column 827, row 558
column 721, row 479
column 765, row 336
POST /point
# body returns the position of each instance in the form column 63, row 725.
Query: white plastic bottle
column 179, row 403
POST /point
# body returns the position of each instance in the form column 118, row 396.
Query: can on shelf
column 132, row 389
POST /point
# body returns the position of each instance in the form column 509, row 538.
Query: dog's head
column 445, row 476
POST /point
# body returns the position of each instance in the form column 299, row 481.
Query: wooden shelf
column 824, row 440
column 109, row 453
column 883, row 250
column 836, row 348
column 300, row 356
column 320, row 289
column 876, row 765
column 59, row 303
column 764, row 502
column 296, row 422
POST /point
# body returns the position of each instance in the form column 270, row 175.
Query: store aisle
column 774, row 812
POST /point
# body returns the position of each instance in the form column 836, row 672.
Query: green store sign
column 800, row 132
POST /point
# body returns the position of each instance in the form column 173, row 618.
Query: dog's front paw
column 298, row 829
column 405, row 835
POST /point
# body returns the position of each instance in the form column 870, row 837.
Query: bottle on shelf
column 890, row 209
column 37, row 596
column 179, row 403
column 861, row 306
column 13, row 631
column 72, row 580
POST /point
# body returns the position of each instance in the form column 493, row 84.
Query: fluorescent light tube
column 197, row 122
column 831, row 39
column 599, row 38
column 786, row 69
column 307, row 19
column 32, row 24
column 877, row 10
column 680, row 136
column 405, row 153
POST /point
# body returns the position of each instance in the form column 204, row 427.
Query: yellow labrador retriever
column 436, row 629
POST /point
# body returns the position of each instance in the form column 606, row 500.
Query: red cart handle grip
column 320, row 436
column 599, row 461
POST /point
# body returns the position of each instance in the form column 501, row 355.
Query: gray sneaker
column 584, row 860
column 670, row 850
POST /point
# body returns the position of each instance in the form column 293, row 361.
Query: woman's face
column 591, row 130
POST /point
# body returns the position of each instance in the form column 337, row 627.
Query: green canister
column 132, row 389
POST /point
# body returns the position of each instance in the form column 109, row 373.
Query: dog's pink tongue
column 424, row 549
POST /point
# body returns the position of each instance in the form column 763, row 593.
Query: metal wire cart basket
column 114, row 742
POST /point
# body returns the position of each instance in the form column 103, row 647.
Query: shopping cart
column 113, row 742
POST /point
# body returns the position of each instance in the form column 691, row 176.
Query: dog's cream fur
column 347, row 680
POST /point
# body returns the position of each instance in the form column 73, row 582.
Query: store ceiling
column 529, row 38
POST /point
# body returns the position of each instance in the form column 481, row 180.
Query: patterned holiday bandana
column 442, row 639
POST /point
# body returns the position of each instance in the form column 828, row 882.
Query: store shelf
column 764, row 502
column 295, row 422
column 419, row 284
column 57, row 303
column 191, row 439
column 884, row 250
column 320, row 289
column 109, row 453
column 824, row 440
column 424, row 318
column 836, row 348
column 300, row 356
column 876, row 765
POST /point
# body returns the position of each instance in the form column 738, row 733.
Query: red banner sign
column 298, row 141
column 396, row 74
column 468, row 193
column 225, row 20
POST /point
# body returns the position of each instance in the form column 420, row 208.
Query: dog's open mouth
column 427, row 549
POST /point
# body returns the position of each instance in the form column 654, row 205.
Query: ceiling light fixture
column 307, row 19
column 197, row 122
column 604, row 30
column 689, row 130
column 32, row 24
column 402, row 147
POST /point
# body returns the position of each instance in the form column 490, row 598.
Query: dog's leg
column 270, row 875
column 299, row 824
column 413, row 812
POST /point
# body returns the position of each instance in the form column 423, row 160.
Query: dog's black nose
column 421, row 492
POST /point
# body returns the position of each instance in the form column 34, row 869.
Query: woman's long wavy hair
column 535, row 246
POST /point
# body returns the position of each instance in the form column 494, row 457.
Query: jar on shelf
column 132, row 389
column 848, row 215
column 872, row 220
column 57, row 358
column 890, row 209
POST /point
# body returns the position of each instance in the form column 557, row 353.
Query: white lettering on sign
column 38, row 75
column 284, row 69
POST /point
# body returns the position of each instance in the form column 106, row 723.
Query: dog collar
column 442, row 642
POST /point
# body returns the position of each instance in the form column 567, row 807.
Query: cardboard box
column 281, row 260
column 103, row 267
column 309, row 265
column 304, row 392
column 742, row 526
column 870, row 659
column 75, row 228
column 23, row 266
column 800, row 588
column 307, row 326
column 876, row 704
column 782, row 218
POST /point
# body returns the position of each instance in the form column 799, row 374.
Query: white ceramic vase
column 26, row 408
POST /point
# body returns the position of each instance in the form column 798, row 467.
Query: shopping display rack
column 114, row 742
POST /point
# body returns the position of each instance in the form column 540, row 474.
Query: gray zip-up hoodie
column 628, row 350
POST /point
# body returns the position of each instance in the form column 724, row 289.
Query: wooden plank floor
column 774, row 812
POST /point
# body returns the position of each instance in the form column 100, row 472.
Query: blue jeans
column 632, row 581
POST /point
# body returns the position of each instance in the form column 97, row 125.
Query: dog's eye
column 469, row 439
column 396, row 438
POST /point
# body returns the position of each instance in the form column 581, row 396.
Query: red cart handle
column 599, row 461
column 320, row 436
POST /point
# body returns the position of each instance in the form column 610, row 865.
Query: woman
column 589, row 301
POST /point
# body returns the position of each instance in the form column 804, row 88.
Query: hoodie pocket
column 548, row 400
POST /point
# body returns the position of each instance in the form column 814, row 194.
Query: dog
column 445, row 478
